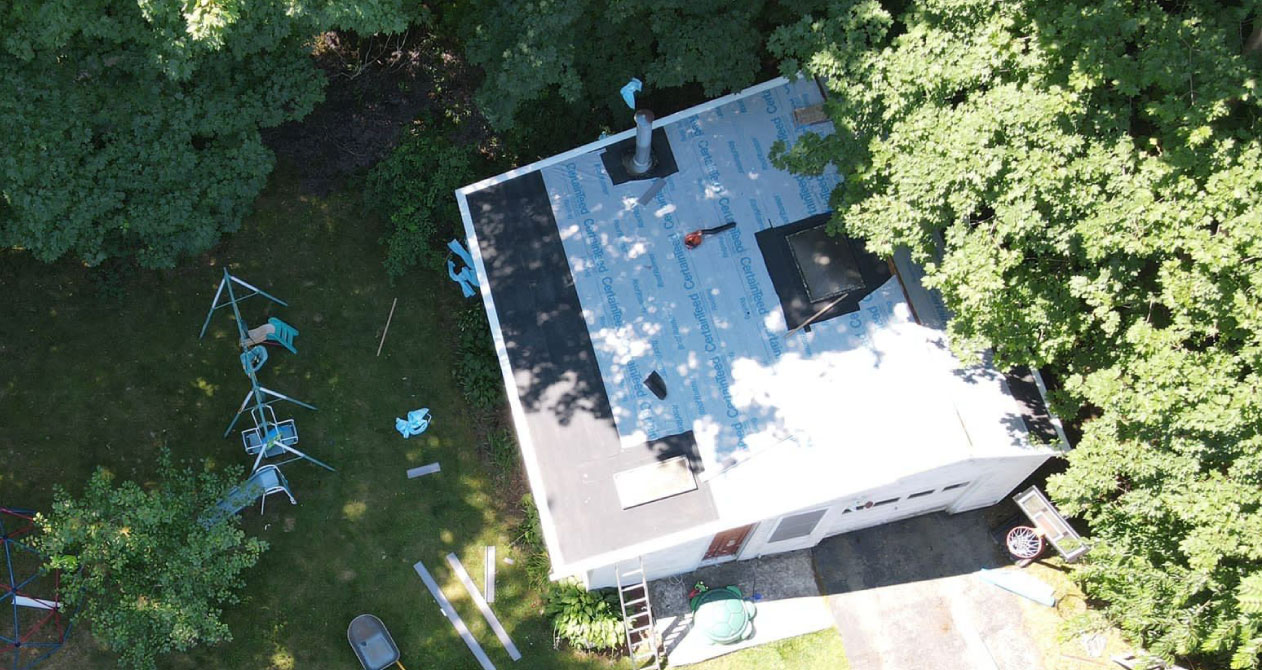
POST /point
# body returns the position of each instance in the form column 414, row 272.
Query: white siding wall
column 955, row 488
column 675, row 560
column 1002, row 476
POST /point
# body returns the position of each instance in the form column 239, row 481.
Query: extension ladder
column 637, row 615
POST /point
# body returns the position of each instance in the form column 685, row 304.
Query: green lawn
column 107, row 374
column 817, row 651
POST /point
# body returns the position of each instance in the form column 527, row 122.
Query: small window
column 921, row 494
column 796, row 526
column 885, row 502
column 846, row 511
column 955, row 486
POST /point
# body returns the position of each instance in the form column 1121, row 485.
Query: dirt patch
column 376, row 86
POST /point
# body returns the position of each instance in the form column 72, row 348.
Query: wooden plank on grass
column 387, row 328
column 453, row 616
column 423, row 470
column 488, row 576
column 481, row 603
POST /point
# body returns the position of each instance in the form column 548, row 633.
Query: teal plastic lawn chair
column 283, row 334
column 272, row 437
column 467, row 277
column 264, row 482
column 253, row 359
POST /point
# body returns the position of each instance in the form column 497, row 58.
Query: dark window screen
column 797, row 525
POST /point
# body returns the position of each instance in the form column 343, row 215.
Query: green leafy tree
column 131, row 128
column 140, row 567
column 585, row 50
column 412, row 189
column 1080, row 179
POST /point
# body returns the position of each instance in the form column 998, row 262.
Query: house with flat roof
column 689, row 403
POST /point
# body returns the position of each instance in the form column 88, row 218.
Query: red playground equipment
column 31, row 594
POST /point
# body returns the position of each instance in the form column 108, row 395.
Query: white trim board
column 480, row 601
column 453, row 616
column 35, row 603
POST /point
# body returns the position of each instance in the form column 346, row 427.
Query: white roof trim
column 618, row 137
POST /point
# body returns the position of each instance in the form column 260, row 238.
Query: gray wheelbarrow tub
column 372, row 643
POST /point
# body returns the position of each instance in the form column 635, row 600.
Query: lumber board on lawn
column 488, row 576
column 423, row 470
column 478, row 600
column 387, row 328
column 453, row 616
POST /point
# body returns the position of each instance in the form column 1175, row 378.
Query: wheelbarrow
column 372, row 643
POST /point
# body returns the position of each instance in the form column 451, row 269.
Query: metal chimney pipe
column 643, row 159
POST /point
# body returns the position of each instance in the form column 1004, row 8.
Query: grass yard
column 816, row 651
column 1059, row 630
column 108, row 372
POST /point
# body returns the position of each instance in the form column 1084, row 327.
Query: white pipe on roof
column 618, row 137
column 643, row 159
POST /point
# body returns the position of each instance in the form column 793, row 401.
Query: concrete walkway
column 905, row 597
column 788, row 600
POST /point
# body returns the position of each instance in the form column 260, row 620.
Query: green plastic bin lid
column 723, row 615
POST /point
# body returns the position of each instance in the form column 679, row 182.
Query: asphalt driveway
column 905, row 596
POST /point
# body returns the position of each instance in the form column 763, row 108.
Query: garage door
column 883, row 508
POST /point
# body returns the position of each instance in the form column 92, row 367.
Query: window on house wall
column 797, row 525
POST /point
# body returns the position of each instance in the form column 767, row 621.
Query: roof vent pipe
column 643, row 159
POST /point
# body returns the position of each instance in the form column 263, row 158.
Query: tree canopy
column 587, row 49
column 132, row 128
column 140, row 567
column 1081, row 180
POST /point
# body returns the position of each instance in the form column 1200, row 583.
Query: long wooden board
column 486, row 609
column 453, row 616
column 488, row 576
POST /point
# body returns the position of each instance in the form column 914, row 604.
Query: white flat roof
column 708, row 319
column 853, row 402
